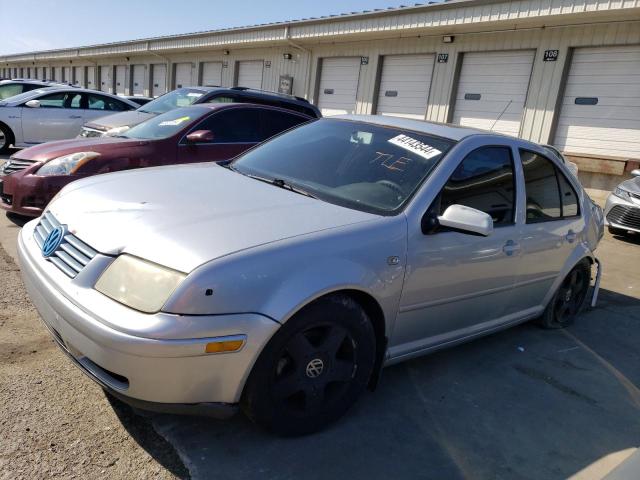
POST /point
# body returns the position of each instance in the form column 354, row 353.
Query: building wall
column 542, row 102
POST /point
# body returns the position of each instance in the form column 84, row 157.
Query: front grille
column 625, row 216
column 14, row 165
column 88, row 132
column 72, row 255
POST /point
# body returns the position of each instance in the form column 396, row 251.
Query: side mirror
column 466, row 219
column 636, row 172
column 33, row 104
column 200, row 136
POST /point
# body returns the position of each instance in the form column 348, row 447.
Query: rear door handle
column 75, row 116
column 510, row 248
column 571, row 236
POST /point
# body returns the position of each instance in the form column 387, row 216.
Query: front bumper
column 159, row 366
column 27, row 194
column 621, row 213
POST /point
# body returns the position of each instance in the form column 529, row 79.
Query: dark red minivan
column 198, row 133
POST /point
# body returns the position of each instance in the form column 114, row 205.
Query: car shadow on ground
column 18, row 220
column 523, row 403
column 631, row 238
column 139, row 426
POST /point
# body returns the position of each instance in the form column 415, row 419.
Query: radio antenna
column 500, row 116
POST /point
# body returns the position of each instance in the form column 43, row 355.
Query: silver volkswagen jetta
column 284, row 281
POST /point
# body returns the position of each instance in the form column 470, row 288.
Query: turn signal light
column 224, row 346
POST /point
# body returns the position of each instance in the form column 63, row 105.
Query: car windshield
column 165, row 125
column 354, row 164
column 183, row 97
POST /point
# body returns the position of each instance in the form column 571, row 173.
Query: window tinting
column 61, row 100
column 484, row 181
column 222, row 99
column 569, row 197
column 100, row 102
column 240, row 125
column 8, row 91
column 274, row 122
column 541, row 185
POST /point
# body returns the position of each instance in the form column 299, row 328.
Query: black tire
column 569, row 299
column 313, row 369
column 6, row 138
column 617, row 231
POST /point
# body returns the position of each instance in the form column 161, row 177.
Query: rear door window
column 549, row 194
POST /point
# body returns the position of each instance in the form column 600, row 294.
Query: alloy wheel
column 570, row 297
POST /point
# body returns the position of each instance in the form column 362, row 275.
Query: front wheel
column 313, row 369
column 569, row 299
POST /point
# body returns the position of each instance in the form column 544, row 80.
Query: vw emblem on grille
column 315, row 368
column 53, row 241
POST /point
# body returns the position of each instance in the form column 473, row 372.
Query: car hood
column 129, row 119
column 184, row 216
column 632, row 185
column 50, row 150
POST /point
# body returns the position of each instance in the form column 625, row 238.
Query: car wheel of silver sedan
column 569, row 299
column 6, row 139
column 313, row 369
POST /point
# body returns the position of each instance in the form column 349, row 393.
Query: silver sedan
column 53, row 113
column 285, row 281
column 622, row 211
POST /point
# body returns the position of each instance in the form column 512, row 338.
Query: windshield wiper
column 277, row 182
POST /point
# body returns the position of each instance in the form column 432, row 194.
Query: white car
column 53, row 113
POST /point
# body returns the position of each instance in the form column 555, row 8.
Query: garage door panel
column 611, row 127
column 121, row 73
column 250, row 74
column 492, row 90
column 405, row 82
column 158, row 79
column 211, row 73
column 338, row 85
column 603, row 91
column 105, row 78
column 183, row 75
column 91, row 77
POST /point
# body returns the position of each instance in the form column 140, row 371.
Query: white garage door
column 183, row 75
column 138, row 79
column 404, row 85
column 600, row 111
column 78, row 78
column 211, row 74
column 492, row 90
column 105, row 78
column 66, row 75
column 91, row 77
column 121, row 75
column 159, row 79
column 250, row 74
column 57, row 75
column 338, row 85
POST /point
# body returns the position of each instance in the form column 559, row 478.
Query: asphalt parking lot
column 524, row 403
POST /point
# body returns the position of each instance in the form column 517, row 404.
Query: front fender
column 278, row 279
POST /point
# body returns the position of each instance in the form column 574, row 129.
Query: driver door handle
column 510, row 248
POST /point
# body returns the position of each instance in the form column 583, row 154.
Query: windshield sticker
column 194, row 94
column 172, row 123
column 415, row 146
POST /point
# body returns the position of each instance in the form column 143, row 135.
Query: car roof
column 222, row 106
column 56, row 88
column 23, row 81
column 444, row 130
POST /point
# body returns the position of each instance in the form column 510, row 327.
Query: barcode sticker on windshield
column 415, row 146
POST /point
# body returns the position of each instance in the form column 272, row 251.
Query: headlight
column 619, row 192
column 138, row 284
column 66, row 164
column 116, row 131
